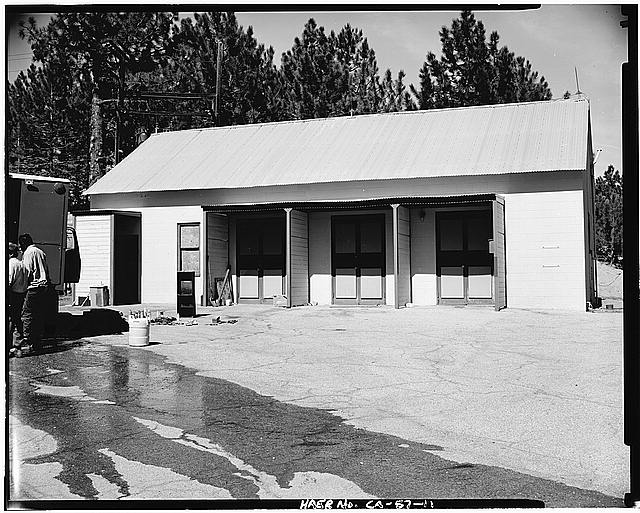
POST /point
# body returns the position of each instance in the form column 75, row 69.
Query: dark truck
column 38, row 205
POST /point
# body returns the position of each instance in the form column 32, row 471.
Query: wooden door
column 260, row 259
column 358, row 259
column 464, row 263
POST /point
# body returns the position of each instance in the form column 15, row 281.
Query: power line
column 165, row 113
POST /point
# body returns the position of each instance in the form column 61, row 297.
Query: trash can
column 99, row 296
column 138, row 331
column 186, row 300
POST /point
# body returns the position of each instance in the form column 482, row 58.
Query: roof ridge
column 379, row 114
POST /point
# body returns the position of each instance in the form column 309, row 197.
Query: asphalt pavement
column 327, row 402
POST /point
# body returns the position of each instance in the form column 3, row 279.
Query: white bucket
column 138, row 332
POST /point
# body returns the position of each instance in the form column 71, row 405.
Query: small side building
column 478, row 205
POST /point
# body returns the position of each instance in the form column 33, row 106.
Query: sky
column 555, row 38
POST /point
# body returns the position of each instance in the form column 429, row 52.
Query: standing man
column 35, row 310
column 17, row 287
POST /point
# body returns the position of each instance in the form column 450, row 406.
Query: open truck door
column 72, row 257
column 38, row 205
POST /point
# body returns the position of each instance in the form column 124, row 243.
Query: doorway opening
column 126, row 259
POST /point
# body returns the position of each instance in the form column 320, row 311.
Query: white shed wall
column 423, row 257
column 320, row 258
column 404, row 256
column 545, row 250
column 94, row 241
column 364, row 189
column 542, row 210
column 160, row 251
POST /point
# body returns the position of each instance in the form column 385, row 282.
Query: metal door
column 358, row 259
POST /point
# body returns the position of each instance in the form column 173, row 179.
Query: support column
column 287, row 267
column 396, row 258
column 204, row 259
column 297, row 258
column 497, row 247
column 401, row 255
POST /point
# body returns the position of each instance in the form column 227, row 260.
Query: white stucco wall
column 545, row 250
column 423, row 257
column 160, row 251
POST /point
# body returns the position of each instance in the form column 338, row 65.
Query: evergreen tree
column 248, row 77
column 330, row 75
column 361, row 87
column 395, row 96
column 312, row 75
column 47, row 128
column 472, row 71
column 608, row 215
column 425, row 96
column 99, row 49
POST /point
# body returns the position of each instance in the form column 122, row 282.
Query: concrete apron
column 538, row 392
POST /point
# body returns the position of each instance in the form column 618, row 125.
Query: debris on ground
column 217, row 320
column 162, row 320
column 172, row 321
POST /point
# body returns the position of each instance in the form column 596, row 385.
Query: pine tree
column 608, row 215
column 48, row 132
column 472, row 71
column 100, row 48
column 395, row 96
column 330, row 75
column 248, row 77
column 425, row 95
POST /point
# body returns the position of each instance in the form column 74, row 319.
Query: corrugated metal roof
column 484, row 140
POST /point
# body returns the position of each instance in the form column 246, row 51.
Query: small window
column 189, row 247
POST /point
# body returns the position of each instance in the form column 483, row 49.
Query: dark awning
column 432, row 201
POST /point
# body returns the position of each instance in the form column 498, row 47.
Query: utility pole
column 218, row 71
column 52, row 148
column 116, row 138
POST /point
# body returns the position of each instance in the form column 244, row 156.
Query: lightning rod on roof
column 577, row 83
column 595, row 159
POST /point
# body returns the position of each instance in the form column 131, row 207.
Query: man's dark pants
column 16, row 300
column 36, row 312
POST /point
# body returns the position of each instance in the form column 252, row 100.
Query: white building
column 489, row 204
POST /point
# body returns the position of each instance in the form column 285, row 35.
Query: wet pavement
column 98, row 421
